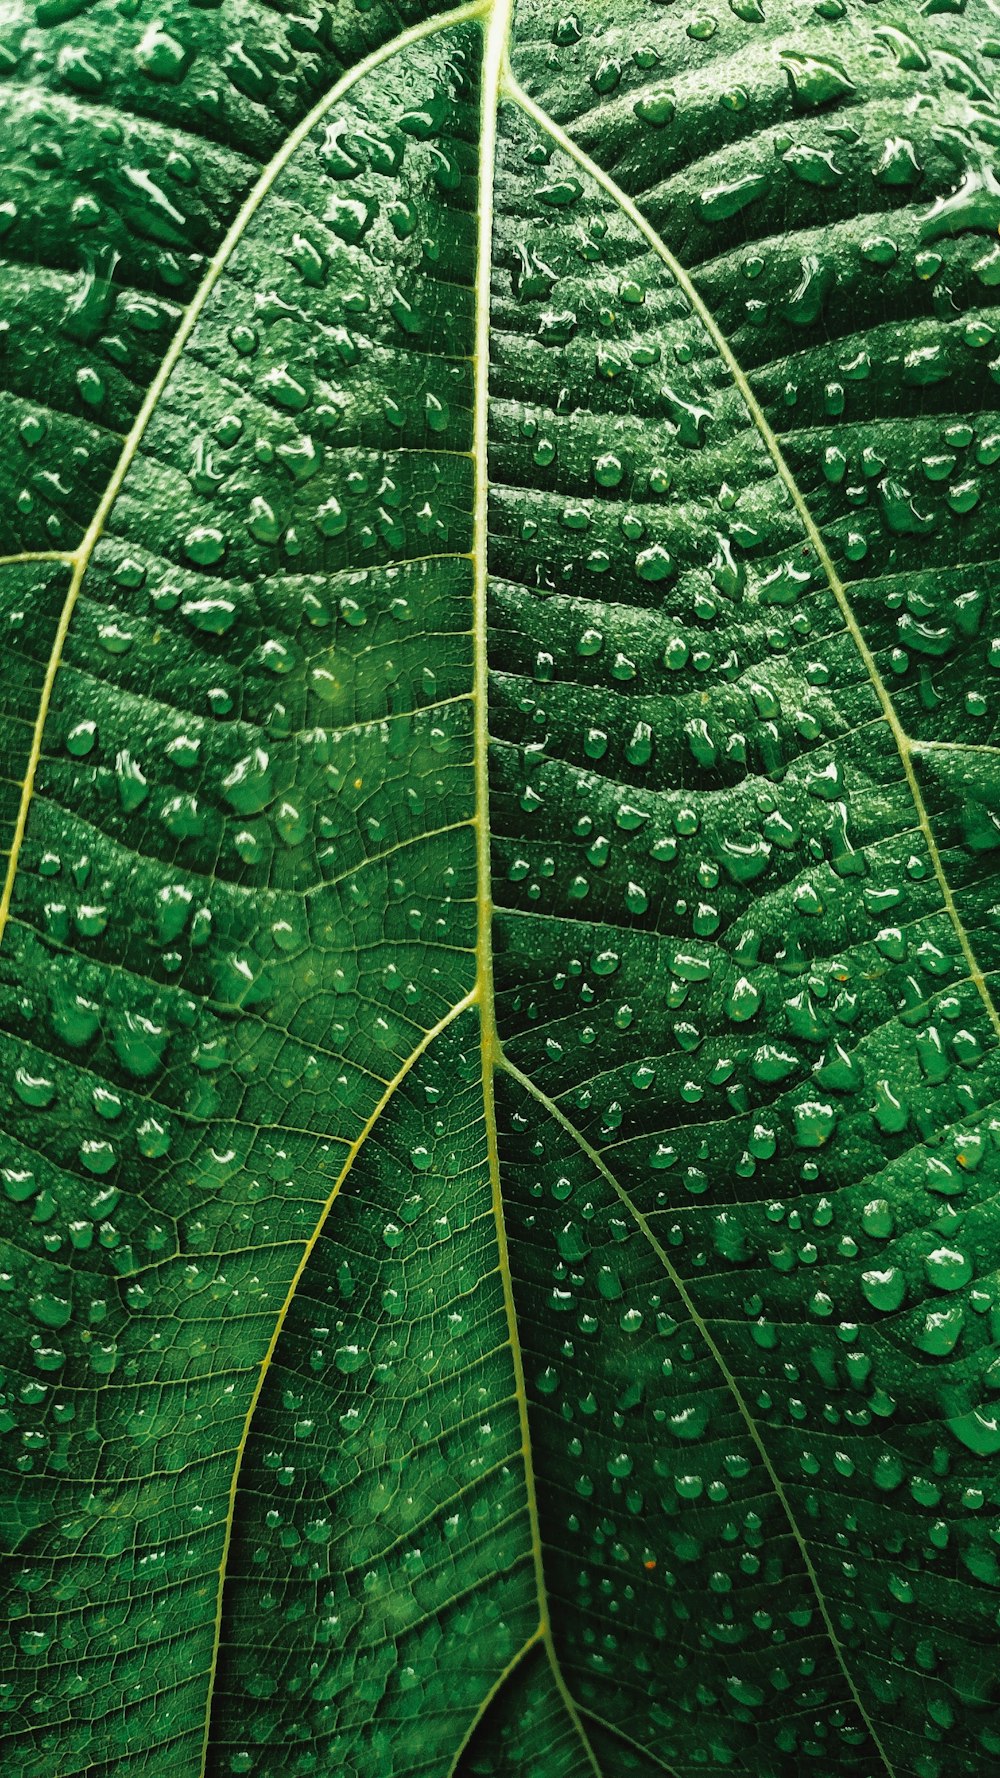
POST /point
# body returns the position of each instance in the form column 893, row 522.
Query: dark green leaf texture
column 499, row 1063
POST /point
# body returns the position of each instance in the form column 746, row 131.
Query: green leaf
column 497, row 993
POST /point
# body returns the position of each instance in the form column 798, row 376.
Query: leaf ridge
column 515, row 92
column 236, row 890
column 80, row 557
column 134, row 975
column 358, row 726
column 449, row 1017
column 679, row 1284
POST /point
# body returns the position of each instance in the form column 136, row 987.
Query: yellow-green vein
column 80, row 557
column 699, row 307
column 619, row 1734
column 307, row 1252
column 66, row 556
column 494, row 65
column 495, row 1689
column 704, row 1330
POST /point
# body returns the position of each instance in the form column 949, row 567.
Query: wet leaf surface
column 497, row 1021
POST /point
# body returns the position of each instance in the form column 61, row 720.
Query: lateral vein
column 685, row 283
column 216, row 266
column 612, row 1728
column 307, row 1252
column 66, row 556
column 705, row 1331
column 519, row 1655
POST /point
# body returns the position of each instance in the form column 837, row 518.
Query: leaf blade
column 130, row 851
column 789, row 796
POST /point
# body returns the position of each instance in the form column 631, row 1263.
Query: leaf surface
column 499, row 938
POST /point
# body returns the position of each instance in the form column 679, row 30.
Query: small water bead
column 655, row 108
column 204, row 545
column 884, row 1288
column 939, row 1331
column 654, row 564
column 571, row 1243
column 815, row 80
column 608, row 470
column 718, row 203
column 37, row 1090
column 978, row 1430
column 947, row 1268
column 82, row 738
column 877, row 1219
column 32, row 430
column 51, row 1309
column 607, row 75
column 559, row 194
column 813, row 166
column 350, row 1359
column 566, row 31
column 814, row 1123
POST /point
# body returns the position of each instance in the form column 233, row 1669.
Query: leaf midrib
column 494, row 70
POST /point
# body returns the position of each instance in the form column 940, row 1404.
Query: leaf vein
column 355, row 1149
column 700, row 308
column 216, row 266
column 704, row 1330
